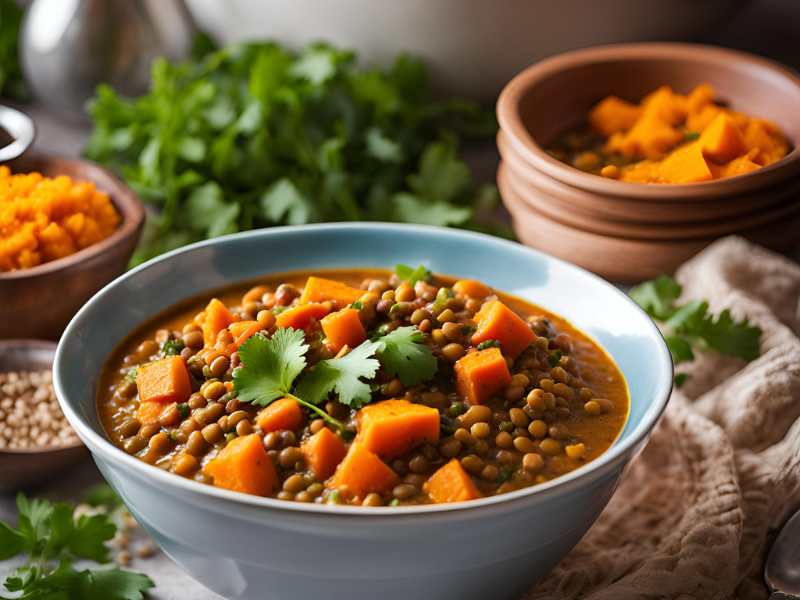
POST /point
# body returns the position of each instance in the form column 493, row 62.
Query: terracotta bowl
column 24, row 468
column 39, row 302
column 624, row 259
column 662, row 224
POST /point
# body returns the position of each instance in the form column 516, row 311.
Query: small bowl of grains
column 36, row 442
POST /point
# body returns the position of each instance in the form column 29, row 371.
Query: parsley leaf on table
column 342, row 376
column 404, row 355
column 53, row 538
column 690, row 327
column 270, row 366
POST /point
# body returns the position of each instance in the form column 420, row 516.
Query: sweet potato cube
column 217, row 318
column 362, row 472
column 472, row 288
column 612, row 115
column 323, row 452
column 279, row 415
column 740, row 166
column 498, row 322
column 243, row 466
column 301, row 316
column 319, row 289
column 686, row 165
column 722, row 141
column 149, row 412
column 393, row 427
column 451, row 483
column 343, row 328
column 164, row 380
column 481, row 374
column 243, row 331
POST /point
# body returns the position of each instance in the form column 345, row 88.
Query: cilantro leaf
column 490, row 344
column 412, row 209
column 172, row 347
column 657, row 297
column 553, row 358
column 404, row 354
column 342, row 376
column 691, row 327
column 412, row 275
column 269, row 366
column 11, row 542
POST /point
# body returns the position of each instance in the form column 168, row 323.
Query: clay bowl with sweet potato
column 278, row 500
column 40, row 296
column 647, row 143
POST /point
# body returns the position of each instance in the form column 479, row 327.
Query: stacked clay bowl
column 633, row 231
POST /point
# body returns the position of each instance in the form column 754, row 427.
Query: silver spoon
column 782, row 569
column 21, row 129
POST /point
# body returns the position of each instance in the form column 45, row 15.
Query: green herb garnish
column 258, row 135
column 690, row 327
column 554, row 358
column 52, row 538
column 183, row 410
column 505, row 474
column 412, row 275
column 488, row 344
column 130, row 374
column 440, row 302
column 172, row 347
column 342, row 375
column 404, row 355
column 358, row 305
column 269, row 368
column 690, row 136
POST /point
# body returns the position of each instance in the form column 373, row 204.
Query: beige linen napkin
column 694, row 515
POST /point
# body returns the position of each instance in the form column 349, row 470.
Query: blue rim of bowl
column 603, row 464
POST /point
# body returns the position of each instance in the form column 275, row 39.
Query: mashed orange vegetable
column 684, row 139
column 42, row 219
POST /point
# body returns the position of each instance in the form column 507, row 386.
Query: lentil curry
column 363, row 387
column 670, row 138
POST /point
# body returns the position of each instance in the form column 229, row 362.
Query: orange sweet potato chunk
column 722, row 141
column 498, row 322
column 164, row 380
column 323, row 452
column 149, row 412
column 472, row 288
column 612, row 115
column 686, row 165
column 363, row 472
column 244, row 330
column 217, row 318
column 343, row 328
column 243, row 466
column 301, row 316
column 481, row 374
column 319, row 289
column 279, row 415
column 451, row 483
column 393, row 427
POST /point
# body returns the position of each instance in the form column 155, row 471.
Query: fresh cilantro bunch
column 53, row 539
column 690, row 327
column 411, row 274
column 11, row 82
column 270, row 368
column 255, row 135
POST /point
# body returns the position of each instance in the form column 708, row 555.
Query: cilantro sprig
column 412, row 275
column 276, row 367
column 690, row 328
column 342, row 375
column 404, row 355
column 53, row 539
column 270, row 367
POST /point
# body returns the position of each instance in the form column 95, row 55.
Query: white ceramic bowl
column 248, row 547
column 473, row 46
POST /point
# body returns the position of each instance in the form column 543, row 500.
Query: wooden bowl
column 39, row 302
column 624, row 259
column 556, row 94
column 24, row 468
column 779, row 213
column 566, row 201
